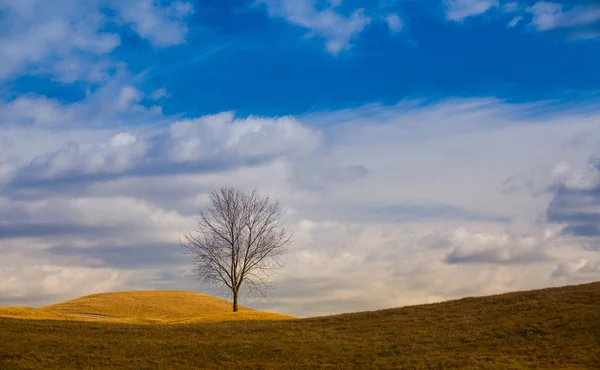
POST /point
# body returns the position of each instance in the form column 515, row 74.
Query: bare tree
column 239, row 240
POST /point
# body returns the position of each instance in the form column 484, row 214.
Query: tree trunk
column 235, row 301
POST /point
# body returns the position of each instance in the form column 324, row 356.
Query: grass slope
column 30, row 313
column 557, row 328
column 142, row 307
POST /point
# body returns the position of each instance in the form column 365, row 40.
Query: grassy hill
column 557, row 328
column 31, row 313
column 161, row 307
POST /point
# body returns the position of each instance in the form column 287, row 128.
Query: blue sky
column 409, row 141
column 256, row 58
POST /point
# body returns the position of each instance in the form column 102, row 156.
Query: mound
column 158, row 306
column 235, row 316
column 30, row 313
column 142, row 307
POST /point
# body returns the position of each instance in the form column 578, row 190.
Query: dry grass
column 160, row 307
column 555, row 328
column 30, row 313
column 235, row 316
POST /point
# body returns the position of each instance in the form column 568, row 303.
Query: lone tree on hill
column 239, row 240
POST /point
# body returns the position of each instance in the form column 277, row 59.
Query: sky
column 422, row 150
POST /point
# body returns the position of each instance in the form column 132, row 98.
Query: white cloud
column 159, row 94
column 76, row 68
column 36, row 110
column 338, row 30
column 129, row 96
column 120, row 153
column 514, row 22
column 333, row 179
column 395, row 24
column 581, row 177
column 223, row 136
column 459, row 10
column 510, row 7
column 576, row 271
column 549, row 15
column 360, row 263
column 216, row 140
column 6, row 172
column 68, row 40
column 38, row 32
column 115, row 101
column 423, row 197
column 43, row 280
column 581, row 18
column 546, row 15
column 580, row 173
column 162, row 25
column 503, row 248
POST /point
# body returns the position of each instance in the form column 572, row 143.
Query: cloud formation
column 217, row 142
column 405, row 195
column 459, row 10
column 161, row 23
column 579, row 19
column 70, row 40
column 437, row 198
column 337, row 29
column 394, row 22
column 37, row 31
column 549, row 15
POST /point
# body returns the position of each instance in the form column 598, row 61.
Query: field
column 556, row 328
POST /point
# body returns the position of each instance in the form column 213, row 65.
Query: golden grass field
column 554, row 328
column 139, row 307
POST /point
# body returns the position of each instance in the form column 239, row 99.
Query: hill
column 142, row 307
column 555, row 328
column 31, row 313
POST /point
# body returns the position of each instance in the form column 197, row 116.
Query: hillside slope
column 31, row 313
column 557, row 328
column 142, row 307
